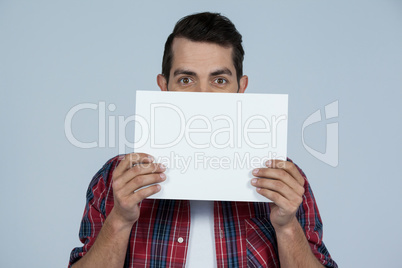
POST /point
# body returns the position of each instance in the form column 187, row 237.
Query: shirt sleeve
column 310, row 220
column 94, row 212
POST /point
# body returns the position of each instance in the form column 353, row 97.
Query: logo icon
column 330, row 156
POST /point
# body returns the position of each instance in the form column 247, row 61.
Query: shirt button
column 180, row 240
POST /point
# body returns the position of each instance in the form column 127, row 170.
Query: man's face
column 202, row 67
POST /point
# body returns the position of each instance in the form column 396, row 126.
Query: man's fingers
column 280, row 176
column 140, row 195
column 289, row 167
column 279, row 187
column 275, row 197
column 137, row 170
column 282, row 183
column 274, row 185
column 142, row 181
column 129, row 160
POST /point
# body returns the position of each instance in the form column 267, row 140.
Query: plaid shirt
column 244, row 235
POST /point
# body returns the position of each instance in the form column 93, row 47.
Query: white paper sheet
column 211, row 142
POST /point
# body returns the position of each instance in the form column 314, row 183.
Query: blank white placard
column 210, row 142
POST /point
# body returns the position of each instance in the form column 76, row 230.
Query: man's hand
column 136, row 170
column 282, row 183
column 133, row 172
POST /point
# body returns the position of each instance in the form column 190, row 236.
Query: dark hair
column 206, row 27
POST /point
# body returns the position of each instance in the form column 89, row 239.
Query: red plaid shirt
column 244, row 235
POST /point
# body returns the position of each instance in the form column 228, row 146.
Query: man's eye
column 185, row 80
column 220, row 81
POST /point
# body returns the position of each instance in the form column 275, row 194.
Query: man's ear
column 243, row 83
column 162, row 83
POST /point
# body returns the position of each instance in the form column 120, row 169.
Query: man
column 123, row 227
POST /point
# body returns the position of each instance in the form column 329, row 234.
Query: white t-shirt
column 201, row 249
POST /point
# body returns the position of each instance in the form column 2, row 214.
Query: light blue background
column 55, row 55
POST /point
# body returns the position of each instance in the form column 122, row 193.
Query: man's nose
column 204, row 87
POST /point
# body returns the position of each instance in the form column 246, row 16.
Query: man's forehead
column 187, row 54
column 180, row 43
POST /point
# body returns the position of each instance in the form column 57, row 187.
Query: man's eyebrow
column 182, row 71
column 221, row 71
